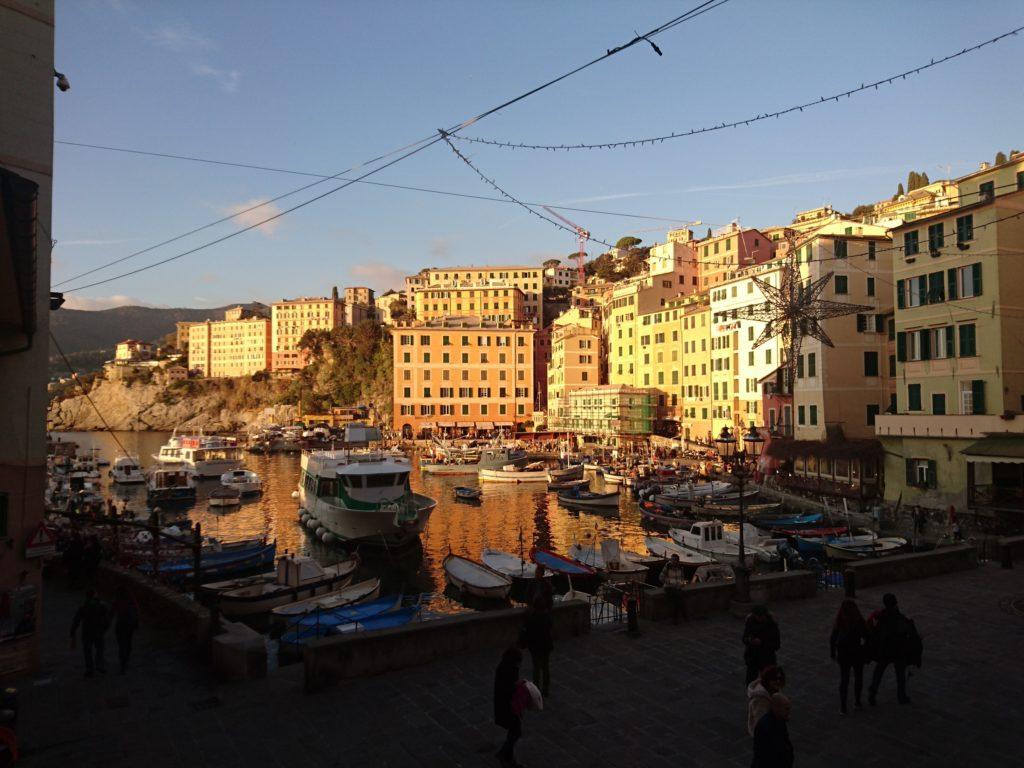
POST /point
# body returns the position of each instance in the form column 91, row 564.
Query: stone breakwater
column 216, row 406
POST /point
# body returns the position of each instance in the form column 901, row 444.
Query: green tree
column 899, row 192
column 625, row 243
column 1000, row 158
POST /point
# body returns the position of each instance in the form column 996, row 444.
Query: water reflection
column 509, row 517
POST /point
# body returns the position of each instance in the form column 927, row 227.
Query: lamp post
column 742, row 463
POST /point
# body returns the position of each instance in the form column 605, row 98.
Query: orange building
column 456, row 374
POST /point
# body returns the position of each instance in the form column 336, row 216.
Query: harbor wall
column 700, row 600
column 332, row 659
column 916, row 565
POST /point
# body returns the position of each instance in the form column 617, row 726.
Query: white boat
column 536, row 472
column 350, row 595
column 297, row 578
column 713, row 574
column 170, row 486
column 840, row 549
column 475, row 578
column 127, row 471
column 245, row 481
column 571, row 472
column 511, row 565
column 224, row 497
column 689, row 492
column 610, row 560
column 665, row 548
column 708, row 537
column 581, row 497
column 361, row 495
column 214, row 588
column 763, row 544
column 204, row 455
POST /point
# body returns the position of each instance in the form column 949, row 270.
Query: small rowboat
column 788, row 521
column 814, row 533
column 732, row 510
column 572, row 472
column 353, row 594
column 615, row 566
column 225, row 497
column 475, row 578
column 560, row 564
column 531, row 473
column 297, row 578
column 465, row 493
column 577, row 497
column 839, row 549
column 508, row 564
column 568, row 485
column 244, row 480
column 664, row 548
column 319, row 623
column 656, row 513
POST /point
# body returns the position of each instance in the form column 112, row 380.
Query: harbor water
column 509, row 517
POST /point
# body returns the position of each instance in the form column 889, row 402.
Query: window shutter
column 950, row 344
column 911, row 480
column 922, row 287
column 951, row 283
column 933, row 475
column 862, row 323
column 978, row 395
column 935, row 292
column 976, row 274
column 901, row 299
column 901, row 346
column 926, row 344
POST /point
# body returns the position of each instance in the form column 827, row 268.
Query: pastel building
column 618, row 413
column 291, row 318
column 223, row 348
column 132, row 350
column 497, row 302
column 529, row 280
column 576, row 358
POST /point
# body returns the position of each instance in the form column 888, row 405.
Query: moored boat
column 511, row 565
column 665, row 548
column 536, row 472
column 297, row 578
column 468, row 460
column 839, row 549
column 170, row 486
column 245, row 481
column 788, row 521
column 224, row 561
column 609, row 559
column 708, row 537
column 224, row 497
column 561, row 564
column 474, row 578
column 205, row 455
column 659, row 514
column 465, row 493
column 571, row 472
column 564, row 485
column 579, row 497
column 351, row 594
column 127, row 471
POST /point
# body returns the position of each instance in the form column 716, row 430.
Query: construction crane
column 582, row 235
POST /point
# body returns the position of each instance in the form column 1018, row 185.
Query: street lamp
column 742, row 464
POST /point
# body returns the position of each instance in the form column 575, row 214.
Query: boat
column 571, row 472
column 608, row 559
column 716, row 573
column 351, row 594
column 508, row 564
column 732, row 509
column 214, row 588
column 567, row 485
column 205, row 455
column 613, row 476
column 224, row 497
column 659, row 514
column 127, row 471
column 224, row 561
column 465, row 493
column 788, row 521
column 764, row 546
column 578, row 497
column 653, row 563
column 813, row 533
column 297, row 578
column 245, row 481
column 536, row 472
column 320, row 623
column 686, row 494
column 170, row 486
column 468, row 460
column 708, row 537
column 665, row 548
column 478, row 579
column 361, row 495
column 388, row 620
column 839, row 549
column 560, row 564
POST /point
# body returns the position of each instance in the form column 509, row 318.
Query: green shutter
column 901, row 300
column 909, row 463
column 922, row 288
column 935, row 292
column 976, row 273
column 926, row 344
column 950, row 344
column 951, row 284
column 978, row 395
column 933, row 475
column 901, row 346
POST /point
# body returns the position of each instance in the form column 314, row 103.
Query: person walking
column 846, row 646
column 126, row 621
column 772, row 747
column 506, row 679
column 891, row 637
column 542, row 588
column 673, row 579
column 92, row 617
column 537, row 637
column 761, row 641
column 759, row 694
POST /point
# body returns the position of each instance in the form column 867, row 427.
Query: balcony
column 955, row 426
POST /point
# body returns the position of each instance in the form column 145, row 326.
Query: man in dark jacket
column 92, row 617
column 772, row 747
column 889, row 640
column 537, row 636
column 506, row 677
column 761, row 641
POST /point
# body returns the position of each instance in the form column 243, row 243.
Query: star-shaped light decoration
column 793, row 311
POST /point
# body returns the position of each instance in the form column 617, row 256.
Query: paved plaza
column 672, row 697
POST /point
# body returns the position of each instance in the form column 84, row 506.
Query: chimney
column 984, row 166
column 334, row 293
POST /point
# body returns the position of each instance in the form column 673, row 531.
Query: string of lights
column 650, row 141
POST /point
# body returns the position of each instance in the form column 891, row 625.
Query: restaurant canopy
column 1000, row 448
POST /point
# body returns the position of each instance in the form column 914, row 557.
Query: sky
column 320, row 87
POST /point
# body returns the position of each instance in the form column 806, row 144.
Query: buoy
column 328, row 538
column 312, row 523
column 295, row 494
column 303, row 517
column 320, row 531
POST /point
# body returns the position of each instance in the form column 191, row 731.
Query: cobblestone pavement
column 672, row 697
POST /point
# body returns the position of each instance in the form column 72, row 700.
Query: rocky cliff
column 224, row 405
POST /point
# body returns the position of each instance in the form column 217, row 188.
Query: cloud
column 227, row 79
column 250, row 217
column 378, row 274
column 440, row 247
column 181, row 37
column 93, row 303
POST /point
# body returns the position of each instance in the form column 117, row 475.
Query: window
column 842, row 283
column 972, row 397
column 913, row 397
column 936, row 238
column 407, row 357
column 426, row 393
column 892, row 365
column 425, row 341
column 426, row 357
column 800, row 367
column 938, row 404
column 870, row 363
column 941, row 343
column 873, row 411
column 936, row 292
column 986, row 191
column 968, row 340
column 965, row 228
column 840, row 249
column 800, row 414
column 910, row 243
column 812, row 365
column 814, row 415
column 922, row 473
column 871, row 251
column 968, row 281
column 407, row 392
column 871, row 286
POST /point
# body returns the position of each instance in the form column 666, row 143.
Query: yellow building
column 576, row 359
column 695, row 321
column 223, row 348
column 659, row 365
column 529, row 280
column 456, row 374
column 387, row 304
column 291, row 318
column 497, row 302
column 618, row 413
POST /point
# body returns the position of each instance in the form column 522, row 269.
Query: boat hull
column 505, row 476
column 373, row 527
column 242, row 607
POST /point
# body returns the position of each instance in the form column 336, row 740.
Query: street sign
column 42, row 543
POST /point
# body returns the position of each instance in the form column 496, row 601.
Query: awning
column 503, row 424
column 446, row 423
column 465, row 424
column 485, row 425
column 427, row 425
column 1001, row 448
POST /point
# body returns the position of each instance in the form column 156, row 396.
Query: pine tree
column 899, row 192
column 924, row 180
column 1000, row 158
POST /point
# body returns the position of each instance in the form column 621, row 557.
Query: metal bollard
column 850, row 583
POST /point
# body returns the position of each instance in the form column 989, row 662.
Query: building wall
column 230, row 348
column 181, row 327
column 576, row 359
column 291, row 319
column 530, row 280
column 495, row 302
column 726, row 251
column 696, row 334
column 199, row 348
column 359, row 295
column 616, row 412
column 462, row 373
column 386, row 304
column 26, row 149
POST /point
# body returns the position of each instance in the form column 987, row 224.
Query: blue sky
column 320, row 87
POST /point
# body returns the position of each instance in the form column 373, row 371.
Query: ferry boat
column 204, row 455
column 361, row 495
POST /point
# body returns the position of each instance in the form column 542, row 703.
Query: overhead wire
column 647, row 141
column 413, row 148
